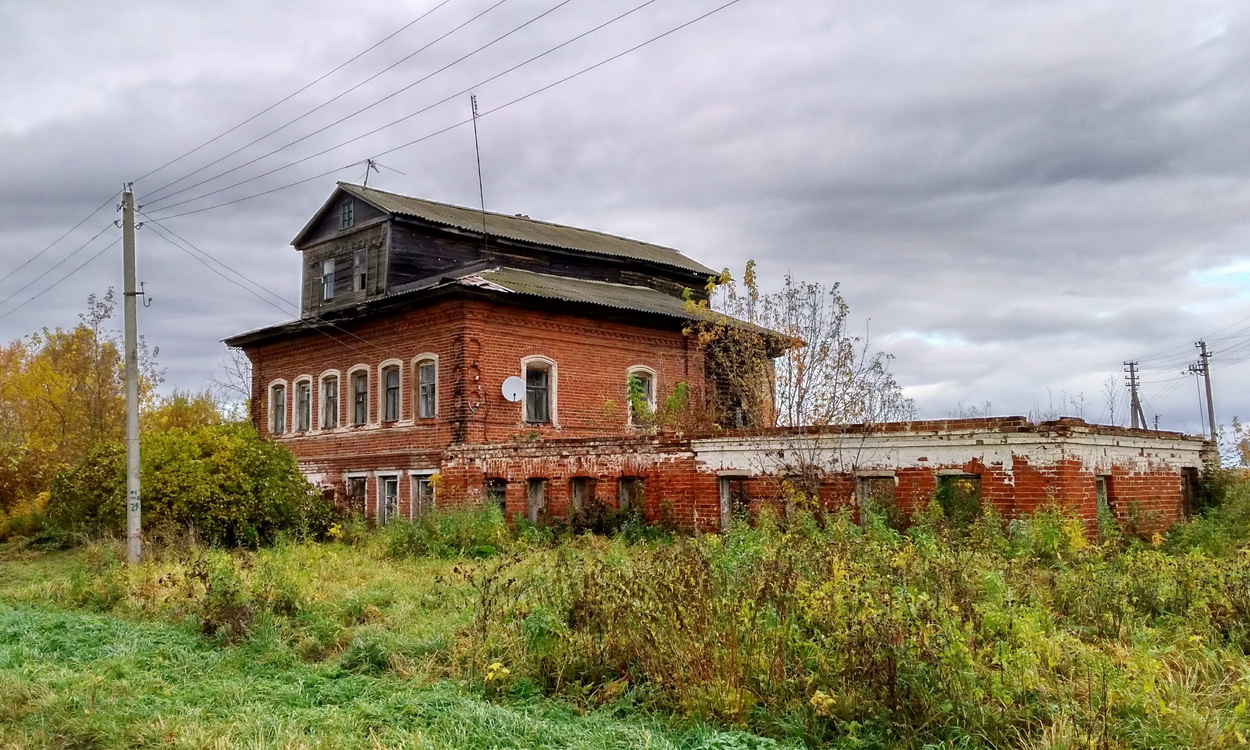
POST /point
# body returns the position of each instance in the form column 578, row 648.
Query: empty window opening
column 422, row 494
column 360, row 270
column 355, row 496
column 388, row 498
column 960, row 498
column 303, row 406
column 327, row 280
column 640, row 394
column 360, row 397
column 390, row 403
column 877, row 496
column 496, row 494
column 582, row 492
column 277, row 409
column 632, row 493
column 427, row 388
column 330, row 402
column 536, row 499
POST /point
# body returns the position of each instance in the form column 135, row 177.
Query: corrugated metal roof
column 523, row 229
column 636, row 298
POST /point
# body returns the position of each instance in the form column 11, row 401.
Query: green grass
column 78, row 679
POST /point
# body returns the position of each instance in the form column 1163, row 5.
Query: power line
column 58, row 239
column 362, row 109
column 295, row 93
column 55, row 266
column 76, row 269
column 493, row 110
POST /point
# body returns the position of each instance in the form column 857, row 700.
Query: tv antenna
column 477, row 149
column 513, row 389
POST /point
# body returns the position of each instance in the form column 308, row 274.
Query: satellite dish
column 514, row 389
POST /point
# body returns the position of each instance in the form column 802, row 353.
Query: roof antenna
column 370, row 166
column 481, row 191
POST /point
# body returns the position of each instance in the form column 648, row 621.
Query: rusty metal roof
column 636, row 298
column 523, row 229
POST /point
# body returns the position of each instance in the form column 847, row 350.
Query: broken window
column 582, row 492
column 877, row 496
column 388, row 498
column 632, row 493
column 422, row 494
column 360, row 270
column 640, row 394
column 327, row 280
column 497, row 494
column 356, row 495
column 960, row 498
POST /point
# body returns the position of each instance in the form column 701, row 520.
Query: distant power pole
column 134, row 540
column 1139, row 417
column 1204, row 367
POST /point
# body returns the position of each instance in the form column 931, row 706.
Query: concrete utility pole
column 1139, row 417
column 134, row 540
column 1204, row 367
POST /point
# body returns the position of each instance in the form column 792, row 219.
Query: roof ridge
column 515, row 217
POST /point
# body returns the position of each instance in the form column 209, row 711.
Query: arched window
column 539, row 374
column 329, row 401
column 303, row 404
column 425, row 369
column 358, row 378
column 640, row 394
column 277, row 407
column 389, row 377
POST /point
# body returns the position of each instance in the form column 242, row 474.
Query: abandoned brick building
column 447, row 355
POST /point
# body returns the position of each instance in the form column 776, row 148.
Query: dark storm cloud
column 1018, row 195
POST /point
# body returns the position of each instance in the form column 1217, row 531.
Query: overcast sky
column 1019, row 196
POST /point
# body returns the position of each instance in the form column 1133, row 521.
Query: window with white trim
column 303, row 405
column 329, row 402
column 427, row 387
column 539, row 406
column 360, row 396
column 277, row 408
column 388, row 497
column 422, row 494
column 390, row 393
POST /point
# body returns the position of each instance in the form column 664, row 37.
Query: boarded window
column 427, row 389
column 303, row 406
column 960, row 498
column 536, row 499
column 582, row 492
column 390, row 403
column 632, row 493
column 360, row 398
column 277, row 409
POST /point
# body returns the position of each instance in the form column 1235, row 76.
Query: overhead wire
column 57, row 241
column 295, row 93
column 463, row 122
column 55, row 266
column 54, row 284
column 334, row 99
column 368, row 107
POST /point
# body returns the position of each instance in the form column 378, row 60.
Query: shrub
column 470, row 531
column 221, row 483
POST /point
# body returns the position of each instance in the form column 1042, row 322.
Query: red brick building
column 446, row 354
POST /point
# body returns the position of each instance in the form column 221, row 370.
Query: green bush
column 470, row 531
column 222, row 484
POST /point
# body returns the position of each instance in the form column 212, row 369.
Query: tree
column 789, row 358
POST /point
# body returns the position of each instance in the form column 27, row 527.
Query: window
column 632, row 493
column 355, row 487
column 582, row 492
column 360, row 270
column 735, row 501
column 1102, row 498
column 497, row 494
column 427, row 388
column 327, row 280
column 877, row 496
column 640, row 395
column 422, row 494
column 538, row 393
column 390, row 393
column 330, row 402
column 960, row 498
column 303, row 405
column 277, row 409
column 388, row 498
column 347, row 214
column 536, row 499
column 360, row 397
